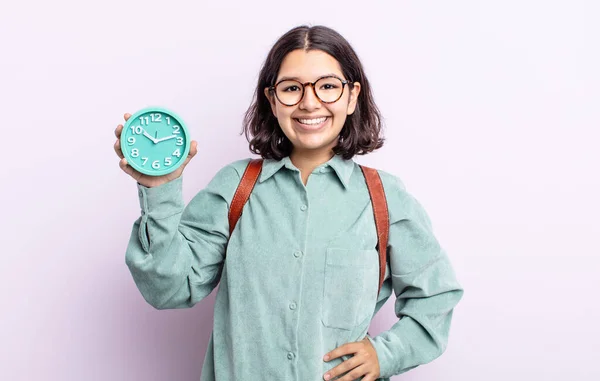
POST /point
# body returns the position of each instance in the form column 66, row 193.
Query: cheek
column 284, row 120
column 340, row 108
column 339, row 113
column 284, row 113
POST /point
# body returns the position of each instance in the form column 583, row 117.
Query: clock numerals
column 153, row 127
column 154, row 118
column 156, row 163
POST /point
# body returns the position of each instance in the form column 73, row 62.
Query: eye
column 329, row 86
column 291, row 88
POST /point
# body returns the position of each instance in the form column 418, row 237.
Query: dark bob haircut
column 361, row 132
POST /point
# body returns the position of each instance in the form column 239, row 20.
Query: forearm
column 173, row 257
column 421, row 334
column 425, row 286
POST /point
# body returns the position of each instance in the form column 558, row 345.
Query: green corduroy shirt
column 299, row 275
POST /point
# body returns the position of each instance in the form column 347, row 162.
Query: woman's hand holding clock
column 153, row 176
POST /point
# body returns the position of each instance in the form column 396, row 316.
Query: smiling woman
column 308, row 121
column 317, row 244
column 311, row 74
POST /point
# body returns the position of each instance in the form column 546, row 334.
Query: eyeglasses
column 328, row 89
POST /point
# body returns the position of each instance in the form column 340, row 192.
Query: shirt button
column 322, row 170
column 297, row 254
column 292, row 306
column 290, row 355
column 303, row 208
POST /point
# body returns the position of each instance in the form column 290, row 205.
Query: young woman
column 299, row 274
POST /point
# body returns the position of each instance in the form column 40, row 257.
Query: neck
column 307, row 161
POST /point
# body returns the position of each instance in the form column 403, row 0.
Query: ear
column 271, row 99
column 353, row 98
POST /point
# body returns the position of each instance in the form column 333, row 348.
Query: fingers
column 193, row 149
column 192, row 153
column 118, row 131
column 348, row 370
column 117, row 147
column 120, row 126
column 123, row 165
column 129, row 170
column 356, row 373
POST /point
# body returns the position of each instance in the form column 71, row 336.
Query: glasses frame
column 312, row 84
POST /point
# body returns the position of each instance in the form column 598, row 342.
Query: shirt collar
column 343, row 168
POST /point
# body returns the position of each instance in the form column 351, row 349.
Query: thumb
column 192, row 153
column 193, row 148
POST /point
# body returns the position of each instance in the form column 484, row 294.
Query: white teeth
column 312, row 121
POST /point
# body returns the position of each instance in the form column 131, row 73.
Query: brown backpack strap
column 382, row 219
column 243, row 191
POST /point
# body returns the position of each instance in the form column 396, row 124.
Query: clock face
column 155, row 141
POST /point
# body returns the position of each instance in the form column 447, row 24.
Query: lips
column 312, row 123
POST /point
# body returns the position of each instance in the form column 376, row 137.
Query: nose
column 309, row 101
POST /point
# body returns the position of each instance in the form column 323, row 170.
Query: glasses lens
column 329, row 89
column 289, row 92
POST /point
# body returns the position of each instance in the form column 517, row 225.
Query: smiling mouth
column 312, row 122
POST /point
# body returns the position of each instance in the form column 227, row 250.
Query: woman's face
column 313, row 127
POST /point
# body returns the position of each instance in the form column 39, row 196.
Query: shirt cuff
column 162, row 201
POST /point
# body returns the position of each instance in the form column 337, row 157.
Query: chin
column 312, row 141
column 314, row 146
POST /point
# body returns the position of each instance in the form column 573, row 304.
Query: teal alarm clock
column 155, row 141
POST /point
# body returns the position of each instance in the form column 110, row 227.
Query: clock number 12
column 154, row 117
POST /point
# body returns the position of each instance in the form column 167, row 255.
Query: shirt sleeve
column 175, row 253
column 424, row 284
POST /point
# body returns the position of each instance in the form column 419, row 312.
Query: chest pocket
column 350, row 284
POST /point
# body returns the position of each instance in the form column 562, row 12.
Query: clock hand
column 167, row 138
column 149, row 136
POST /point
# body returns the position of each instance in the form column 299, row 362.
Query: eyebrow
column 298, row 79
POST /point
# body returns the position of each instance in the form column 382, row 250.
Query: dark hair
column 361, row 132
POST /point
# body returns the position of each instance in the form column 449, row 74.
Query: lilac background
column 492, row 122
